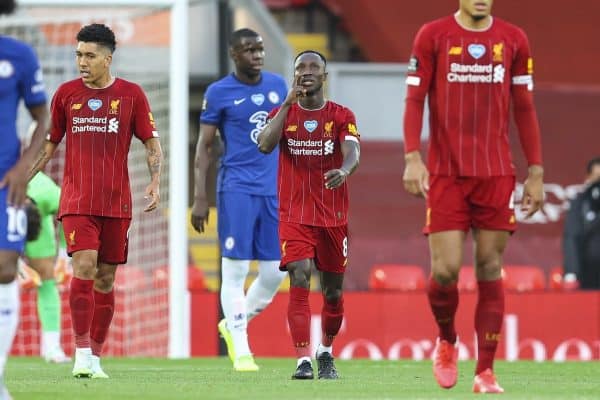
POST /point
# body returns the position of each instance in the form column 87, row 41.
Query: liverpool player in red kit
column 98, row 114
column 318, row 149
column 470, row 65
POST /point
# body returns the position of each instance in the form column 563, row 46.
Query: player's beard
column 478, row 17
column 315, row 90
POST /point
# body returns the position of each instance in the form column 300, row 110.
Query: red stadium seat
column 396, row 277
column 160, row 278
column 555, row 280
column 523, row 278
column 467, row 281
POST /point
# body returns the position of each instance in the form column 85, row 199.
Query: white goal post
column 178, row 303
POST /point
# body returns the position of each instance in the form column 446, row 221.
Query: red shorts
column 327, row 246
column 108, row 236
column 462, row 203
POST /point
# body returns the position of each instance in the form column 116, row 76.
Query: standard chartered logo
column 94, row 125
column 259, row 119
column 113, row 125
column 328, row 148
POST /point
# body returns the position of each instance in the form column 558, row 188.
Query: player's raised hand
column 416, row 176
column 199, row 214
column 533, row 191
column 296, row 91
column 152, row 193
column 334, row 178
column 16, row 180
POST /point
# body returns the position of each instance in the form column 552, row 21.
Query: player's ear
column 108, row 59
column 325, row 74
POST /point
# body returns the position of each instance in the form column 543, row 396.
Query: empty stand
column 523, row 278
column 396, row 277
column 467, row 281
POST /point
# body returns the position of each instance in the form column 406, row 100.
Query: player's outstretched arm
column 17, row 177
column 201, row 165
column 336, row 177
column 154, row 159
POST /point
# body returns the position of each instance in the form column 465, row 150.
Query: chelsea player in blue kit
column 247, row 208
column 20, row 78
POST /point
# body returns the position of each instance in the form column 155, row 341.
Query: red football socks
column 488, row 322
column 103, row 314
column 331, row 320
column 81, row 300
column 444, row 302
column 299, row 320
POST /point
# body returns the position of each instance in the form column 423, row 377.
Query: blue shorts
column 248, row 226
column 13, row 225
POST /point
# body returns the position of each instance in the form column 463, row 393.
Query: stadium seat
column 555, row 279
column 523, row 278
column 467, row 281
column 396, row 277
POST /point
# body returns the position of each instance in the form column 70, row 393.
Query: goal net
column 140, row 324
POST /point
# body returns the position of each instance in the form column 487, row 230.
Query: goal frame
column 179, row 297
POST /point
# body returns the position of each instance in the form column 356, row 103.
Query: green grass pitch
column 213, row 378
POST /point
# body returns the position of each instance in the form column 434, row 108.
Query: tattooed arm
column 154, row 159
column 44, row 155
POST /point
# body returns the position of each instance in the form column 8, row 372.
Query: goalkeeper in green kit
column 41, row 256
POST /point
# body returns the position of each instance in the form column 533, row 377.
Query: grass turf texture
column 214, row 378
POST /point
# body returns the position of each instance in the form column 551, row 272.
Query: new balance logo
column 239, row 101
column 328, row 147
column 113, row 125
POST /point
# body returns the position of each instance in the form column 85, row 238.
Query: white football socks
column 261, row 291
column 233, row 302
column 9, row 319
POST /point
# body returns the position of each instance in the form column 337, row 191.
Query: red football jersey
column 469, row 77
column 309, row 147
column 99, row 125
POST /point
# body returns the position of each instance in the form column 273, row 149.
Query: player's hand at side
column 533, row 191
column 16, row 180
column 416, row 176
column 334, row 178
column 296, row 91
column 199, row 214
column 152, row 193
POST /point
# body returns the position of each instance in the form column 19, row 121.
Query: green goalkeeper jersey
column 46, row 195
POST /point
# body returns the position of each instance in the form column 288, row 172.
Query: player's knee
column 104, row 281
column 489, row 268
column 332, row 295
column 445, row 276
column 299, row 276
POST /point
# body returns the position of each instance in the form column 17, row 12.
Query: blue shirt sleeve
column 212, row 108
column 31, row 81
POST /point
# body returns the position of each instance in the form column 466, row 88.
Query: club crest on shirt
column 413, row 64
column 258, row 99
column 498, row 51
column 114, row 106
column 6, row 69
column 476, row 50
column 328, row 130
column 311, row 125
column 455, row 51
column 273, row 97
column 94, row 104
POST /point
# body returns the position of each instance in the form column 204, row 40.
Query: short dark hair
column 98, row 33
column 34, row 220
column 7, row 6
column 592, row 163
column 321, row 56
column 236, row 37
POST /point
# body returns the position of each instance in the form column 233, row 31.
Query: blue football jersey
column 20, row 78
column 240, row 110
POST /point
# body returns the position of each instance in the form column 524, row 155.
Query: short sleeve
column 347, row 127
column 31, row 83
column 211, row 108
column 144, row 125
column 58, row 119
